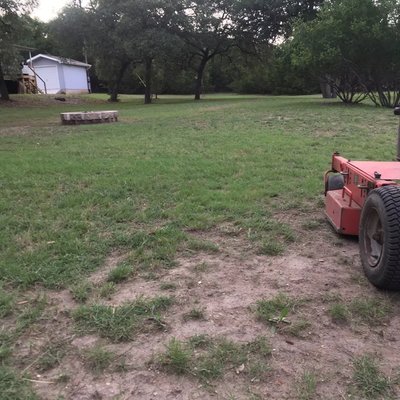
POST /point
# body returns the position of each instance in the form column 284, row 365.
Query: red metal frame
column 343, row 206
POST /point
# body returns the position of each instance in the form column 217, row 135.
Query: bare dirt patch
column 319, row 270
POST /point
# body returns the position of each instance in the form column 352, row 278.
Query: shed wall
column 49, row 73
column 75, row 79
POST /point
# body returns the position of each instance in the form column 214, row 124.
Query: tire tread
column 389, row 277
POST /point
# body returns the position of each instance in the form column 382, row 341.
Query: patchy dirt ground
column 319, row 267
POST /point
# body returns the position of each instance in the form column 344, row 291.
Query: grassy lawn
column 150, row 187
column 71, row 195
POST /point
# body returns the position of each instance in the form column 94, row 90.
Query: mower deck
column 389, row 170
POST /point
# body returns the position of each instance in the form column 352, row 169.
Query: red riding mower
column 363, row 198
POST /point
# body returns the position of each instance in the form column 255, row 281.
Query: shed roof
column 60, row 60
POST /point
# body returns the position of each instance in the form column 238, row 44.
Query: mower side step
column 342, row 213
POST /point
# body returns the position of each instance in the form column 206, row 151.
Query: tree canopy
column 349, row 47
column 353, row 45
column 175, row 35
column 12, row 28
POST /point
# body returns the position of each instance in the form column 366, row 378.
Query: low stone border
column 88, row 117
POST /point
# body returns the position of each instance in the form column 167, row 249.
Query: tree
column 259, row 26
column 11, row 31
column 147, row 27
column 37, row 35
column 261, row 21
column 206, row 28
column 352, row 45
column 69, row 31
column 120, row 34
column 106, row 44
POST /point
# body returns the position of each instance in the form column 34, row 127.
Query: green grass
column 279, row 311
column 197, row 245
column 372, row 311
column 98, row 359
column 260, row 346
column 176, row 359
column 194, row 314
column 13, row 386
column 339, row 312
column 221, row 355
column 199, row 341
column 106, row 290
column 52, row 356
column 168, row 286
column 121, row 323
column 306, row 386
column 30, row 314
column 312, row 225
column 369, row 380
column 298, row 328
column 26, row 316
column 202, row 267
column 210, row 358
column 5, row 351
column 120, row 273
column 271, row 248
column 81, row 291
column 276, row 309
column 7, row 301
column 72, row 194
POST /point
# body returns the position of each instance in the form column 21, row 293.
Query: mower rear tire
column 379, row 237
column 334, row 182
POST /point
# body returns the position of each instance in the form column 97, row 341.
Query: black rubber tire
column 334, row 182
column 379, row 237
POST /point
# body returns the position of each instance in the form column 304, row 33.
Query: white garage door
column 49, row 74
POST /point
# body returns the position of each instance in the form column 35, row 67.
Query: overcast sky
column 48, row 9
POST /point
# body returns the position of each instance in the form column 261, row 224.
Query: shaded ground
column 226, row 285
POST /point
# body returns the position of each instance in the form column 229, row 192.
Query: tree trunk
column 199, row 79
column 3, row 88
column 113, row 92
column 327, row 89
column 114, row 89
column 147, row 80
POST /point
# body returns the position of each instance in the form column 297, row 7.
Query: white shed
column 58, row 74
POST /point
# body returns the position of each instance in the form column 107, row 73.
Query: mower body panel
column 344, row 218
column 343, row 207
column 389, row 170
